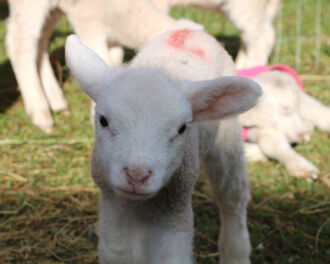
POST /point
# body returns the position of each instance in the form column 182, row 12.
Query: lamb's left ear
column 86, row 66
column 221, row 97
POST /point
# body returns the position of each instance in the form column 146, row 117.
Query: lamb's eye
column 103, row 121
column 182, row 129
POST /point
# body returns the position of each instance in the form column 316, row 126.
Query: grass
column 48, row 202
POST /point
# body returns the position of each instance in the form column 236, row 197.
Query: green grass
column 48, row 202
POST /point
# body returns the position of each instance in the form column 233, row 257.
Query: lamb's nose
column 137, row 175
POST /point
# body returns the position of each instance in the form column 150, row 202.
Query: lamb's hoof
column 308, row 174
column 43, row 120
column 47, row 130
column 66, row 112
column 306, row 138
column 304, row 170
column 311, row 176
column 59, row 105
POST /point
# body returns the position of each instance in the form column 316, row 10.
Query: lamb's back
column 186, row 55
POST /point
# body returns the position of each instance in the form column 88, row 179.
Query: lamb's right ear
column 86, row 66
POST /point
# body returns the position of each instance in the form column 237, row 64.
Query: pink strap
column 245, row 133
column 251, row 72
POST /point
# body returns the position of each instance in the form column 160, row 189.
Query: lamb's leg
column 257, row 44
column 89, row 24
column 226, row 169
column 170, row 246
column 275, row 145
column 116, row 55
column 164, row 247
column 257, row 32
column 314, row 112
column 23, row 31
column 53, row 91
column 253, row 153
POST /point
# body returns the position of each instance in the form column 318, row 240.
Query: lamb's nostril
column 145, row 178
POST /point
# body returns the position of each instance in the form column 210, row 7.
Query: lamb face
column 141, row 122
column 278, row 108
column 143, row 117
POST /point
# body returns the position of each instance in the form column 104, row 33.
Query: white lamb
column 104, row 25
column 283, row 116
column 29, row 27
column 154, row 118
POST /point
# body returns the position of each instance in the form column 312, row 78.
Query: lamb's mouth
column 132, row 194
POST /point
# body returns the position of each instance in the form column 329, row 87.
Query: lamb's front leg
column 275, row 145
column 253, row 153
column 23, row 32
column 226, row 170
column 51, row 87
column 257, row 32
column 116, row 245
column 170, row 246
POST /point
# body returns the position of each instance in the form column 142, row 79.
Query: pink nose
column 137, row 175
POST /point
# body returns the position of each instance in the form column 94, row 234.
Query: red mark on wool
column 177, row 40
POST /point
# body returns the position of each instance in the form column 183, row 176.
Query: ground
column 48, row 202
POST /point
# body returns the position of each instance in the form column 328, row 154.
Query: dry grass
column 42, row 225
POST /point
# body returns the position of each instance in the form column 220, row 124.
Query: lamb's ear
column 86, row 66
column 221, row 97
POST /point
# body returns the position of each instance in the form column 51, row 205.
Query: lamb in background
column 30, row 25
column 154, row 118
column 253, row 19
column 284, row 115
column 105, row 25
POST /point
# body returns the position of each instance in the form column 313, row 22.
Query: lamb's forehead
column 143, row 90
column 278, row 84
column 279, row 81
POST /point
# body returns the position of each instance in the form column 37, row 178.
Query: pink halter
column 251, row 72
